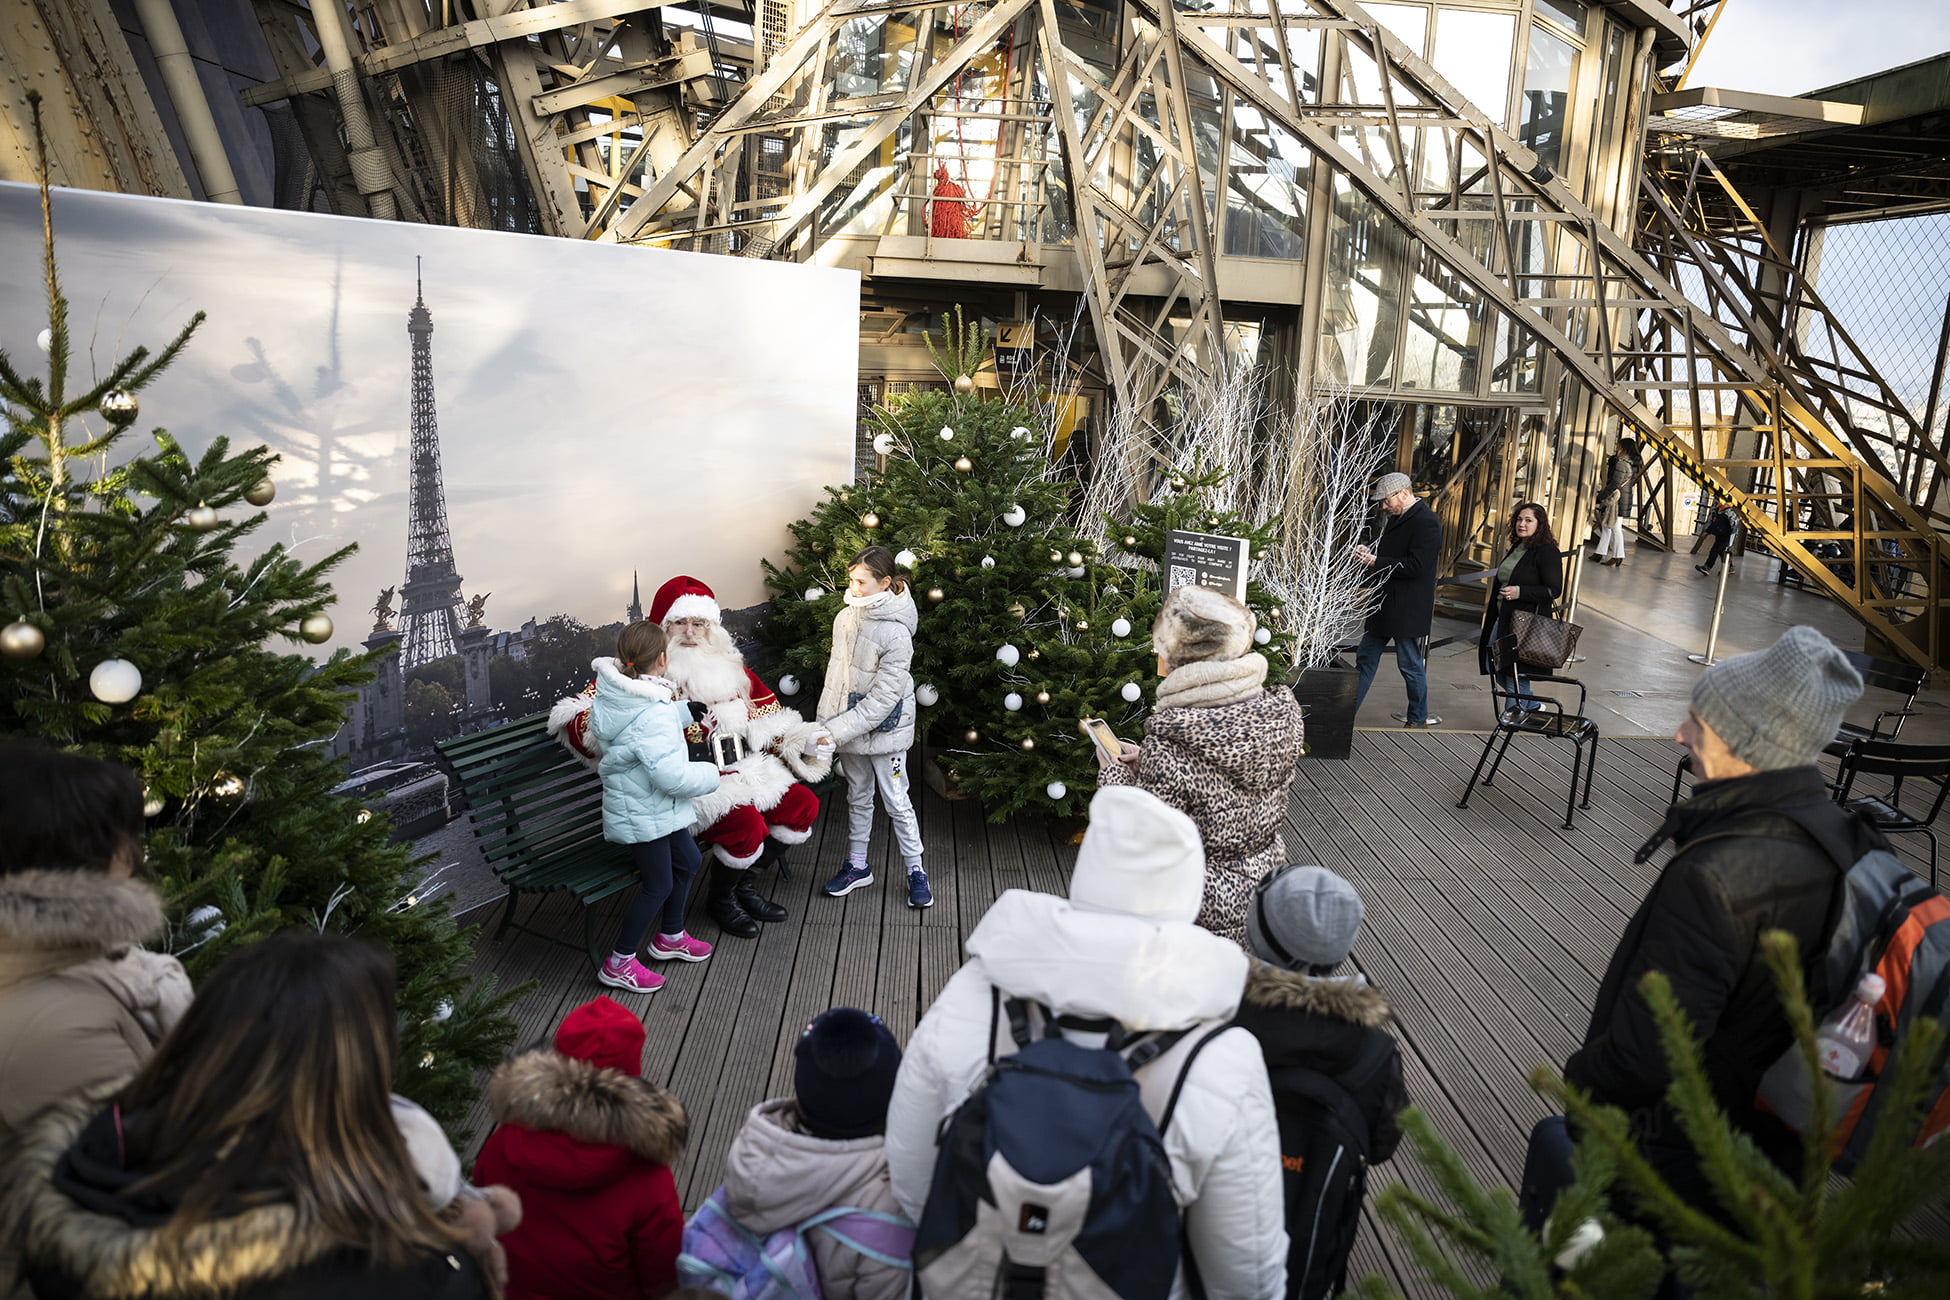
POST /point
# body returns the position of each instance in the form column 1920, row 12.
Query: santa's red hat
column 684, row 597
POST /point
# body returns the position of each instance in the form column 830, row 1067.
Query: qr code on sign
column 1182, row 576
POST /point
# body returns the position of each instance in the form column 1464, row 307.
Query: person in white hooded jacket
column 1122, row 945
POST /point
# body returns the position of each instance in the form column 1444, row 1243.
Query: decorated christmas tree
column 136, row 631
column 1027, row 624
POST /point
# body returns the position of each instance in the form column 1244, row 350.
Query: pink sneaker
column 685, row 948
column 630, row 975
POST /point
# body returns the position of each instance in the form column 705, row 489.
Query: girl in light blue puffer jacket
column 648, row 784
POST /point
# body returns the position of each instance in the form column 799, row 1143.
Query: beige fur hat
column 1198, row 623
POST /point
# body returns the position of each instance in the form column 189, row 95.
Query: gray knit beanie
column 1777, row 707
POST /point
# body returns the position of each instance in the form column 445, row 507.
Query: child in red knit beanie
column 588, row 1144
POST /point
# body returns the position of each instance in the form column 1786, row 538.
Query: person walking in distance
column 648, row 784
column 1404, row 563
column 868, row 707
column 1615, row 500
column 1720, row 525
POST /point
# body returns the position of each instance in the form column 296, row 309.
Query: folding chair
column 1900, row 763
column 1540, row 715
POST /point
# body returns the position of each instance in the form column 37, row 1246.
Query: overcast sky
column 600, row 409
column 1790, row 47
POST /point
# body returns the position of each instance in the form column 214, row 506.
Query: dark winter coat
column 1741, row 869
column 1539, row 580
column 1339, row 1028
column 589, row 1152
column 1621, row 481
column 1404, row 569
column 108, row 1249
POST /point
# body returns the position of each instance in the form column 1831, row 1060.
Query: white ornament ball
column 1110, row 589
column 206, row 920
column 1077, row 572
column 788, row 685
column 443, row 1010
column 907, row 559
column 1012, row 701
column 925, row 695
column 1014, row 516
column 947, row 434
column 883, row 443
column 1131, row 692
column 1120, row 627
column 1584, row 1239
column 45, row 339
column 988, row 561
column 1056, row 790
column 814, row 593
column 1263, row 635
column 1019, row 432
column 115, row 681
column 152, row 805
column 1009, row 655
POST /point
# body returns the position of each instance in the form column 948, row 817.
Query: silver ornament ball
column 119, row 408
column 262, row 492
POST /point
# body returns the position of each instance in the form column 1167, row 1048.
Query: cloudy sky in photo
column 601, row 409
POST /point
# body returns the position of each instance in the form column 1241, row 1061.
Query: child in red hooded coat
column 588, row 1145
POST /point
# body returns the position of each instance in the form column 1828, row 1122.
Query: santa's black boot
column 723, row 905
column 755, row 903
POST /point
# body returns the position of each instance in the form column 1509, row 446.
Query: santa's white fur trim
column 793, row 749
column 719, row 852
column 650, row 688
column 786, row 835
column 692, row 605
column 758, row 779
column 731, row 717
column 567, row 710
column 780, row 723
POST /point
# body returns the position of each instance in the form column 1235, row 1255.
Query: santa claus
column 764, row 751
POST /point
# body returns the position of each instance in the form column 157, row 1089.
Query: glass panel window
column 873, row 55
column 1546, row 95
column 1472, row 50
column 1361, row 295
column 1445, row 330
column 1265, row 212
column 1410, row 22
column 1569, row 14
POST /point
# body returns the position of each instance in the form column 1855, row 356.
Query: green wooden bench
column 538, row 816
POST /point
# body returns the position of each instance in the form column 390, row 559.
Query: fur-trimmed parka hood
column 568, row 1121
column 110, row 1258
column 51, row 919
column 1354, row 1000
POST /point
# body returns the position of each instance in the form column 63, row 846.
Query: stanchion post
column 1719, row 607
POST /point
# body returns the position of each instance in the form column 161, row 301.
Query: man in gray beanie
column 1758, row 846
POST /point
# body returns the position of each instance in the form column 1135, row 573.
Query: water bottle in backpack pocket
column 1051, row 1179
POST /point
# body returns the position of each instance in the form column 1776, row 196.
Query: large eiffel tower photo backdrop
column 430, row 606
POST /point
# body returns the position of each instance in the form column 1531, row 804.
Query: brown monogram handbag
column 1543, row 642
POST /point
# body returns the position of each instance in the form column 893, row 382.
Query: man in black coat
column 1404, row 563
column 1760, row 846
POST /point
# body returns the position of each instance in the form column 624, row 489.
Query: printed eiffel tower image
column 430, row 604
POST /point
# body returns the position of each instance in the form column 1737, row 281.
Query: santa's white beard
column 711, row 672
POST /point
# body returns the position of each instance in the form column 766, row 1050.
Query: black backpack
column 1324, row 1145
column 1051, row 1179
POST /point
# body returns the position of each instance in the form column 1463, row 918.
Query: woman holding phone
column 1221, row 746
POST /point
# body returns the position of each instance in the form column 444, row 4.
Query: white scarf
column 874, row 601
column 1208, row 683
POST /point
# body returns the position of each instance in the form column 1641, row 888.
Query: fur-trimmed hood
column 53, row 919
column 1353, row 1000
column 571, row 1121
column 112, row 1259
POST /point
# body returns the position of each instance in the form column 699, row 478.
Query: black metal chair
column 1900, row 763
column 1540, row 715
column 1905, row 680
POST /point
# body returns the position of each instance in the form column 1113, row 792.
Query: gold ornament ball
column 1035, row 654
column 964, row 464
column 845, row 497
column 1130, row 541
column 227, row 786
column 1055, row 557
column 119, row 407
column 1075, row 558
column 936, row 594
column 262, row 492
column 870, row 520
column 316, row 628
column 1042, row 697
column 964, row 384
column 1029, row 742
column 21, row 641
column 152, row 804
column 1017, row 612
column 200, row 518
column 971, row 735
column 1178, row 484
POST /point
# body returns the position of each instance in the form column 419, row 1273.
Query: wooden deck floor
column 1488, row 928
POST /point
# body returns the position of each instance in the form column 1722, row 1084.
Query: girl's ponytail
column 638, row 647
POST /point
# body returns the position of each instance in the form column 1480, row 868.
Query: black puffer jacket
column 1742, row 869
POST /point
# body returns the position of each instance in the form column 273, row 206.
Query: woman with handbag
column 1529, row 579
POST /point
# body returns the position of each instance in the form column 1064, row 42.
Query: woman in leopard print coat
column 1221, row 746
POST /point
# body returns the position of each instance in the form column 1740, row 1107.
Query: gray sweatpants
column 889, row 772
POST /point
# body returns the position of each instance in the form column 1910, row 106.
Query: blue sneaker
column 851, row 877
column 918, row 893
